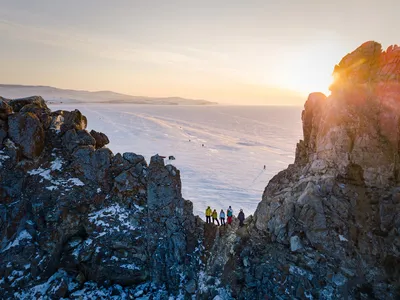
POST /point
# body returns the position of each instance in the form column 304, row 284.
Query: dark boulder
column 3, row 131
column 133, row 158
column 93, row 164
column 18, row 104
column 101, row 138
column 5, row 109
column 26, row 131
column 75, row 138
column 43, row 113
column 65, row 120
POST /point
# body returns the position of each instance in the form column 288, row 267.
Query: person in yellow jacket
column 215, row 216
column 208, row 215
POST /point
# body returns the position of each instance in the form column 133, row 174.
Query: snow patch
column 130, row 267
column 106, row 216
column 23, row 235
column 51, row 188
column 342, row 238
column 3, row 158
column 45, row 174
column 38, row 291
column 74, row 243
column 42, row 172
column 76, row 181
column 300, row 272
column 56, row 165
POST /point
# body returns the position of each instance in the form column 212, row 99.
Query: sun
column 311, row 82
column 309, row 69
column 308, row 75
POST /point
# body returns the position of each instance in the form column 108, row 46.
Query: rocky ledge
column 77, row 221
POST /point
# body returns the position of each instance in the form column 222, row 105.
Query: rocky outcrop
column 328, row 226
column 74, row 217
column 26, row 130
column 340, row 195
column 101, row 138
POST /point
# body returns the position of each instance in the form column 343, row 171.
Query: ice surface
column 238, row 141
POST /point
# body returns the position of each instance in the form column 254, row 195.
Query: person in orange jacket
column 215, row 216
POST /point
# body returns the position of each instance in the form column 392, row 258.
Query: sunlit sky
column 239, row 52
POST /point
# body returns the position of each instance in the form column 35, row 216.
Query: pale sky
column 241, row 52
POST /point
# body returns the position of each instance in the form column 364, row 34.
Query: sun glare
column 318, row 83
column 309, row 68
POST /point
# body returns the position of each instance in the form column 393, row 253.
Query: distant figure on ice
column 222, row 217
column 215, row 216
column 202, row 145
column 229, row 215
column 241, row 218
column 208, row 215
column 264, row 167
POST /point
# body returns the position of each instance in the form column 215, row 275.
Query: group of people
column 229, row 213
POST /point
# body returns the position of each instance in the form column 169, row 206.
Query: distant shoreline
column 56, row 95
column 50, row 102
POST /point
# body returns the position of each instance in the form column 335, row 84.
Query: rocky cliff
column 77, row 221
column 341, row 197
column 328, row 227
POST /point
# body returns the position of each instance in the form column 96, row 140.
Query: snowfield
column 220, row 150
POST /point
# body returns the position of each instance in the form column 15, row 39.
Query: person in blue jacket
column 222, row 217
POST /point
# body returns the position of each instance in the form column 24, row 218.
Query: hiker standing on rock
column 208, row 215
column 215, row 216
column 222, row 217
column 229, row 215
column 241, row 218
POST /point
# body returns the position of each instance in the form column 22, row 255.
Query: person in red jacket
column 229, row 214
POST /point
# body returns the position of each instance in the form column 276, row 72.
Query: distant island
column 54, row 95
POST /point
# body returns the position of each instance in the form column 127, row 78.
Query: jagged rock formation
column 77, row 221
column 341, row 196
column 73, row 215
column 328, row 227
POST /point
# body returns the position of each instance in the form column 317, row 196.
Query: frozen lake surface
column 238, row 141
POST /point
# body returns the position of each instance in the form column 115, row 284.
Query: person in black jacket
column 241, row 218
